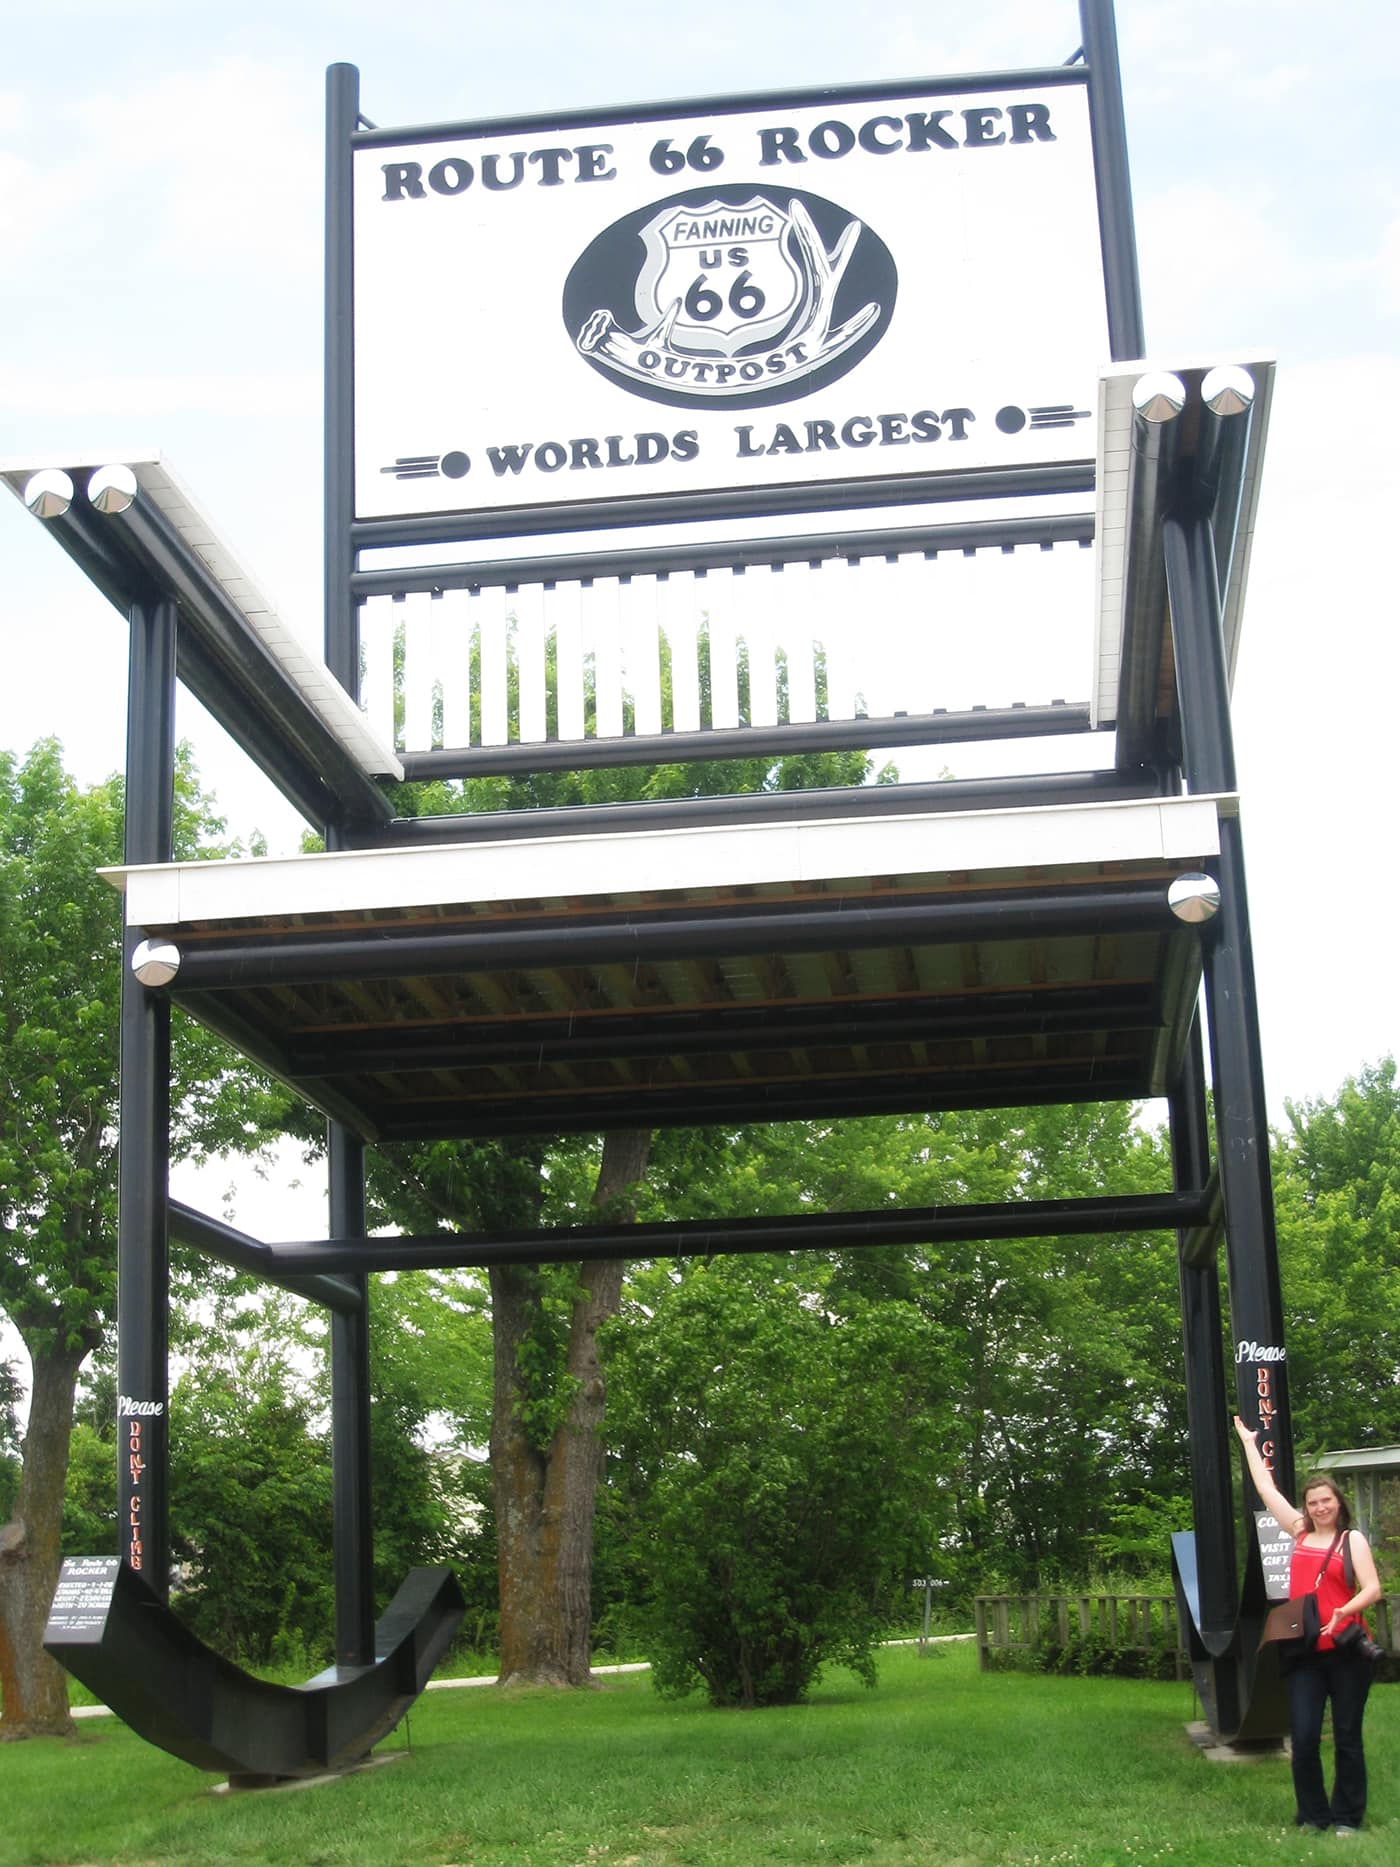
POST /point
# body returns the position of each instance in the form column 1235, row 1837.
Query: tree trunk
column 545, row 1498
column 34, row 1688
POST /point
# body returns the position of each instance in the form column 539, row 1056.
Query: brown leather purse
column 1296, row 1623
column 1296, row 1620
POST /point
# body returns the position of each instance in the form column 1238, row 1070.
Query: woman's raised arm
column 1289, row 1517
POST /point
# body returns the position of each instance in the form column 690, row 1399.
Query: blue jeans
column 1346, row 1681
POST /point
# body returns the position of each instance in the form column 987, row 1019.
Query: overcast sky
column 160, row 285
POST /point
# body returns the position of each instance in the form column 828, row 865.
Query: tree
column 778, row 1444
column 9, row 1437
column 60, row 970
column 430, row 1383
column 253, row 1524
column 1055, row 1399
column 1337, row 1186
column 549, row 1391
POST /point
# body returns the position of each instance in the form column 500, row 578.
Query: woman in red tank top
column 1322, row 1538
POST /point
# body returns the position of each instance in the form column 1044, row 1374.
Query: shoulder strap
column 1331, row 1551
column 1347, row 1566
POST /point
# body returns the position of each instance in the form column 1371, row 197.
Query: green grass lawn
column 938, row 1765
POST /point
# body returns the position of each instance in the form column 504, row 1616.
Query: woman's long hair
column 1315, row 1482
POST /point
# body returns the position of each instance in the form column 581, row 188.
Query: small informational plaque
column 78, row 1615
column 1275, row 1553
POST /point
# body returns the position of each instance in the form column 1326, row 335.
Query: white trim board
column 659, row 861
column 307, row 673
column 1115, row 441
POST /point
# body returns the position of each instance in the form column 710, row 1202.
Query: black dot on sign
column 1010, row 420
column 457, row 465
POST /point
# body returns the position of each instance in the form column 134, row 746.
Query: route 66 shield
column 730, row 271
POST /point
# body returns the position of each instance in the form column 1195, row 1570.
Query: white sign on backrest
column 766, row 295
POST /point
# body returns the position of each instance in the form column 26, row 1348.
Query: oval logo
column 735, row 296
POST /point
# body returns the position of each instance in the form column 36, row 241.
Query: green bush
column 774, row 1480
column 1089, row 1655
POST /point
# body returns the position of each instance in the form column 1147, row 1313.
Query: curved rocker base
column 1237, row 1680
column 111, row 1632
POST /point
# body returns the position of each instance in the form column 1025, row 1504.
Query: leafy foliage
column 10, row 1391
column 551, row 1312
column 1337, row 1184
column 60, row 962
column 430, row 1380
column 60, row 955
column 772, row 1460
column 253, row 1526
column 1056, row 1403
column 90, row 1491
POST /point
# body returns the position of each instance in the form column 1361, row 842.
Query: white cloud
column 1225, row 265
column 111, row 393
column 1319, row 666
column 225, row 162
column 1388, row 269
column 14, row 113
column 21, row 215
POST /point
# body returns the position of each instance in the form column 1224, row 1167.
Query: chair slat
column 455, row 622
column 724, row 659
column 677, row 599
column 605, row 627
column 793, row 622
column 417, row 671
column 530, row 657
column 642, row 653
column 495, row 707
column 565, row 609
column 378, row 618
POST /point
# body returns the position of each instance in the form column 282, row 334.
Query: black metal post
column 686, row 1238
column 1152, row 468
column 143, row 1398
column 294, row 959
column 1115, row 189
column 1212, row 1487
column 353, row 1523
column 341, row 635
column 226, row 1245
column 1241, row 1118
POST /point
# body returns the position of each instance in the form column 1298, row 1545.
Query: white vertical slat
column 455, row 619
column 479, row 604
column 915, row 596
column 724, row 653
column 843, row 620
column 564, row 609
column 604, row 626
column 958, row 637
column 417, row 671
column 1039, row 600
column 495, row 714
column 642, row 653
column 377, row 619
column 682, row 622
column 676, row 597
column 757, row 612
column 997, row 681
column 798, row 596
column 529, row 641
column 880, row 641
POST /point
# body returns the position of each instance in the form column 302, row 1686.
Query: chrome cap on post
column 1228, row 390
column 1159, row 396
column 112, row 489
column 1194, row 898
column 49, row 493
column 155, row 962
